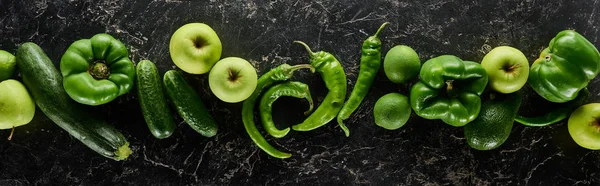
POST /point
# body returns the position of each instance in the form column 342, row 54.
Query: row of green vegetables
column 484, row 97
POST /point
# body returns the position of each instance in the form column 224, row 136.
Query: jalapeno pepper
column 292, row 89
column 335, row 80
column 277, row 74
column 370, row 61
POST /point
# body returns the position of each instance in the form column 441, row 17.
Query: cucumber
column 189, row 105
column 45, row 84
column 495, row 121
column 153, row 101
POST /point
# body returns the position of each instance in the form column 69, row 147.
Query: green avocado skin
column 494, row 123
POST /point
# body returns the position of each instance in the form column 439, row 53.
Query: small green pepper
column 97, row 70
column 292, row 88
column 564, row 68
column 335, row 80
column 370, row 61
column 281, row 73
column 449, row 90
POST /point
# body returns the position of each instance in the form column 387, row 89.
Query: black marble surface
column 420, row 153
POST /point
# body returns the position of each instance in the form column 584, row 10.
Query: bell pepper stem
column 449, row 86
column 99, row 70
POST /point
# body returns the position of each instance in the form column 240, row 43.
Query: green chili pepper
column 277, row 74
column 293, row 89
column 370, row 61
column 335, row 80
column 557, row 114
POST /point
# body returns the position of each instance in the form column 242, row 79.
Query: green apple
column 507, row 69
column 7, row 65
column 195, row 48
column 584, row 126
column 16, row 106
column 232, row 79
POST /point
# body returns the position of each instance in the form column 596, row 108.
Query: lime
column 392, row 111
column 7, row 65
column 401, row 64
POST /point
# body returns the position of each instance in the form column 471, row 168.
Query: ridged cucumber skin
column 189, row 105
column 45, row 84
column 153, row 101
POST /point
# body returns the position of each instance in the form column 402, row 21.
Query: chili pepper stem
column 381, row 28
column 305, row 46
column 11, row 133
column 301, row 66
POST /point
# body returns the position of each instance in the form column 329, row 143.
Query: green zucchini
column 45, row 84
column 189, row 105
column 153, row 101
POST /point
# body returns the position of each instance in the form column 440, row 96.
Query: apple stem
column 305, row 46
column 233, row 75
column 11, row 133
column 511, row 68
column 198, row 43
column 595, row 124
column 381, row 28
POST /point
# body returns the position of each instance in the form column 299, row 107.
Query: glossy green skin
column 278, row 74
column 429, row 98
column 558, row 114
column 370, row 62
column 494, row 123
column 291, row 89
column 44, row 83
column 335, row 80
column 7, row 62
column 564, row 68
column 584, row 126
column 81, row 55
column 153, row 101
column 189, row 105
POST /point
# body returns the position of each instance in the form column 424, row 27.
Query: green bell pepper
column 97, row 70
column 449, row 90
column 564, row 68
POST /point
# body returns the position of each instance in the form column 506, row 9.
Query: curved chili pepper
column 370, row 61
column 280, row 73
column 562, row 112
column 293, row 89
column 335, row 80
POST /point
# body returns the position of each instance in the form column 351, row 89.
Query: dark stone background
column 421, row 153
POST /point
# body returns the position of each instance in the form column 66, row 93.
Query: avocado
column 493, row 125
